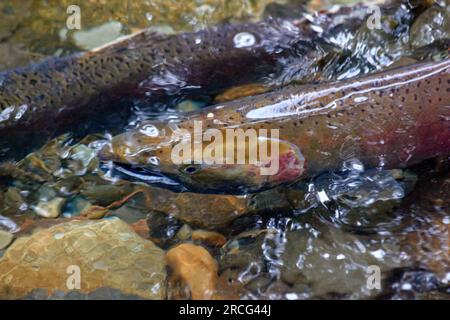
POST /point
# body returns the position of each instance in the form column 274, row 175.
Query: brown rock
column 196, row 268
column 50, row 209
column 108, row 254
column 141, row 228
column 5, row 239
column 206, row 211
column 211, row 237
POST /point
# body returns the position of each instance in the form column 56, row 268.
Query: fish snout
column 129, row 148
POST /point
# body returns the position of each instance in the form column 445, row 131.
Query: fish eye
column 190, row 169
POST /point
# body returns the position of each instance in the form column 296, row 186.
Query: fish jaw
column 133, row 148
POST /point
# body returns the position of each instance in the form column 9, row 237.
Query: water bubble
column 244, row 40
column 8, row 224
column 447, row 277
column 406, row 286
column 325, row 256
column 353, row 165
column 21, row 111
column 149, row 130
column 154, row 161
column 322, row 196
column 291, row 296
column 6, row 113
column 252, row 271
column 379, row 254
column 332, row 126
column 149, row 16
column 317, row 28
column 341, row 196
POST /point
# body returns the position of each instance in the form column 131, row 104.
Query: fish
column 147, row 70
column 145, row 66
column 152, row 70
column 390, row 119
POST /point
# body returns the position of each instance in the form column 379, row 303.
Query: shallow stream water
column 355, row 234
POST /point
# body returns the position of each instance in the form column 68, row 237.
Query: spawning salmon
column 391, row 119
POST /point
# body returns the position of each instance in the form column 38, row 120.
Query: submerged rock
column 8, row 224
column 50, row 209
column 195, row 266
column 106, row 254
column 432, row 25
column 335, row 263
column 99, row 294
column 184, row 233
column 428, row 245
column 303, row 259
column 203, row 210
column 5, row 239
column 104, row 195
column 425, row 236
column 98, row 36
column 211, row 237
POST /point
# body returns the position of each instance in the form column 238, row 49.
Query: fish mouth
column 139, row 174
column 113, row 164
column 152, row 177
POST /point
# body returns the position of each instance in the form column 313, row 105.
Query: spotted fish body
column 152, row 66
column 143, row 65
column 390, row 119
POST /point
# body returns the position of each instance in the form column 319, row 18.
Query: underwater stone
column 108, row 254
column 50, row 209
column 184, row 233
column 211, row 237
column 195, row 266
column 5, row 239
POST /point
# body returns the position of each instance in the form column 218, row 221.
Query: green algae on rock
column 108, row 254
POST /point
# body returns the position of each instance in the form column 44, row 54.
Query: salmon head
column 220, row 166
